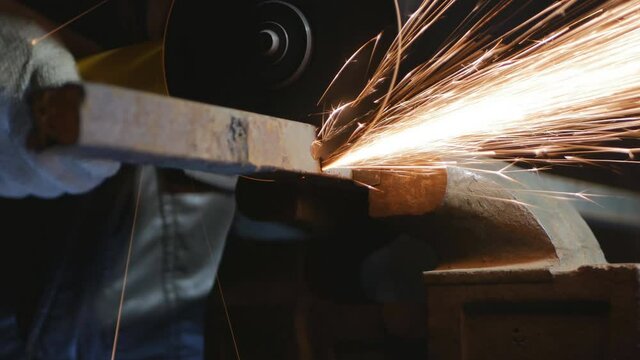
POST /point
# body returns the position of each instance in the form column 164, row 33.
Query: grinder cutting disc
column 273, row 57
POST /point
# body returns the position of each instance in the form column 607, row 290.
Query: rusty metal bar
column 130, row 126
column 134, row 127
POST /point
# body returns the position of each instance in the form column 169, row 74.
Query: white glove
column 25, row 67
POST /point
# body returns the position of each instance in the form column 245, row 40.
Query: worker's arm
column 30, row 61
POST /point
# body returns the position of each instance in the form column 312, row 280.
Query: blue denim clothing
column 177, row 246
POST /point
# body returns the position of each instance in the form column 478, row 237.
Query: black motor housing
column 273, row 57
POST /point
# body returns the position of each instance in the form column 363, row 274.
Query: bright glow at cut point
column 561, row 97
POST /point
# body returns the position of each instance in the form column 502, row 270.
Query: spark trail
column 35, row 41
column 558, row 88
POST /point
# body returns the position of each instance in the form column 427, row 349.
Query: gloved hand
column 27, row 65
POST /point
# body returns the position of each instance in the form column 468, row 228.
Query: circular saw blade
column 272, row 57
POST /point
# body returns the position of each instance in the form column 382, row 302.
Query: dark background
column 290, row 298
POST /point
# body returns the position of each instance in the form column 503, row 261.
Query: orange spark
column 559, row 84
column 35, row 41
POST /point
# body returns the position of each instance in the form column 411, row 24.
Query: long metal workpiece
column 131, row 126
